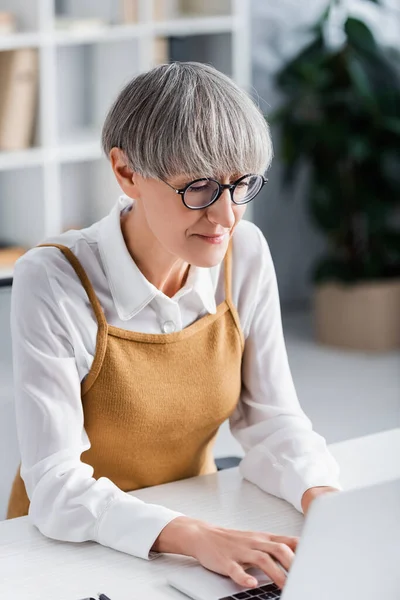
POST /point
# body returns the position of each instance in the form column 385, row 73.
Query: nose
column 221, row 212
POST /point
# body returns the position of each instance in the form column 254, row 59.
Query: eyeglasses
column 201, row 193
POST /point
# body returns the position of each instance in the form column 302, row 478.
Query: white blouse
column 54, row 339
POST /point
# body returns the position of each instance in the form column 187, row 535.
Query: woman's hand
column 227, row 551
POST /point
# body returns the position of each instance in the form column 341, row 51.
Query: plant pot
column 364, row 316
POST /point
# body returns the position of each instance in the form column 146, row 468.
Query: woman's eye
column 242, row 184
column 199, row 188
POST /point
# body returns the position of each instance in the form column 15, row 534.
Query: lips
column 212, row 239
column 212, row 235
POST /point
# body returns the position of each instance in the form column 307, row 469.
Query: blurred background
column 325, row 74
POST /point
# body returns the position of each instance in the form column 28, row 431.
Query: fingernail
column 251, row 581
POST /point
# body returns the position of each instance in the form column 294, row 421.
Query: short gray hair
column 187, row 118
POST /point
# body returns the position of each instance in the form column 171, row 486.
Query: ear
column 123, row 173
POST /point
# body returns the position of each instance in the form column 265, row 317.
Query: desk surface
column 33, row 567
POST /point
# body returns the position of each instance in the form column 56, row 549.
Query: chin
column 209, row 257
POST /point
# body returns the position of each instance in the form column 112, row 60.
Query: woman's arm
column 67, row 503
column 284, row 456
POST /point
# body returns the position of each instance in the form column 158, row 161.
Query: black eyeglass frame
column 222, row 186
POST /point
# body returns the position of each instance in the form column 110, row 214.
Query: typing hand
column 229, row 552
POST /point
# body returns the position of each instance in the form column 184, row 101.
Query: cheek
column 161, row 209
column 169, row 218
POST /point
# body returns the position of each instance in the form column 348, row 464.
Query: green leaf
column 361, row 82
column 325, row 208
column 359, row 35
column 279, row 115
column 392, row 241
column 375, row 213
column 390, row 161
column 383, row 78
column 392, row 125
column 292, row 74
column 359, row 147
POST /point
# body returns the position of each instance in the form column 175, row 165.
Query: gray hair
column 187, row 118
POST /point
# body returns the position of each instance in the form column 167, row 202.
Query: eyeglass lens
column 202, row 193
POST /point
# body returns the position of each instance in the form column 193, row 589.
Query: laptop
column 349, row 550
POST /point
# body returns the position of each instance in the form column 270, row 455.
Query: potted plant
column 341, row 116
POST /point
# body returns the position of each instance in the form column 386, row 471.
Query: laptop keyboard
column 264, row 592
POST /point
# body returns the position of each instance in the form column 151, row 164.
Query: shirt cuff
column 296, row 481
column 132, row 526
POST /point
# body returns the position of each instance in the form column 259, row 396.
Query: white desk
column 33, row 567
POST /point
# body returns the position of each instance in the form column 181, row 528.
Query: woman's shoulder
column 251, row 268
column 46, row 261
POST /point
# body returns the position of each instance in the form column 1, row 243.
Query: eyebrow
column 232, row 179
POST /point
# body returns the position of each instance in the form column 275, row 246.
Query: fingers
column 281, row 552
column 290, row 541
column 267, row 558
column 267, row 564
column 271, row 552
column 229, row 552
column 237, row 573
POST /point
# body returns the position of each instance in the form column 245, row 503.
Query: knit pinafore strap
column 102, row 329
column 81, row 273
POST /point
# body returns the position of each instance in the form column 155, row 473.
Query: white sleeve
column 283, row 455
column 67, row 503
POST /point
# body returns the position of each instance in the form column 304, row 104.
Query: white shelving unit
column 64, row 181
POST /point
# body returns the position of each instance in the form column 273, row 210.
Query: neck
column 165, row 271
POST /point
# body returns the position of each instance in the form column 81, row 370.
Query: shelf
column 31, row 157
column 101, row 34
column 188, row 26
column 79, row 146
column 176, row 27
column 20, row 40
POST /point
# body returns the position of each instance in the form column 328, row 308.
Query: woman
column 134, row 339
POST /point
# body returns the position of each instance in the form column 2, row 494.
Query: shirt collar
column 130, row 289
column 200, row 280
